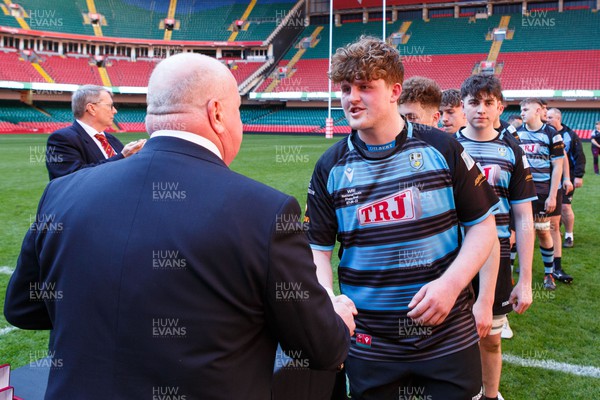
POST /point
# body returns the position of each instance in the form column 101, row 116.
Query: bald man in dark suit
column 168, row 273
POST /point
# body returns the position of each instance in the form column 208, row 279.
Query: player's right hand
column 345, row 308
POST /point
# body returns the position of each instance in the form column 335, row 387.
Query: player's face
column 553, row 120
column 369, row 104
column 417, row 114
column 530, row 112
column 481, row 112
column 453, row 118
column 544, row 111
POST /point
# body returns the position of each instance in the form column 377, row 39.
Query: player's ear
column 396, row 91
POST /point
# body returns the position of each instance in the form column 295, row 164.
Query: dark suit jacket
column 169, row 273
column 70, row 149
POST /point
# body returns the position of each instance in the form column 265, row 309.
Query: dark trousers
column 453, row 377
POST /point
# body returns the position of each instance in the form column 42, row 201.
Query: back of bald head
column 180, row 85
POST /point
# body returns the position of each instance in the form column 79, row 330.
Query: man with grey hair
column 179, row 275
column 85, row 144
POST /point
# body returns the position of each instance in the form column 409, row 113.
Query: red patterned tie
column 110, row 152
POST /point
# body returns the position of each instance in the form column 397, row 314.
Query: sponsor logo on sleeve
column 467, row 159
column 556, row 139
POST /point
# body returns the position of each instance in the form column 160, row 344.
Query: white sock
column 569, row 235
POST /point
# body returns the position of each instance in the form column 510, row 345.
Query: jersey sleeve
column 557, row 145
column 320, row 214
column 474, row 198
column 521, row 188
column 578, row 155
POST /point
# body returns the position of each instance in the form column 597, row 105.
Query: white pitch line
column 6, row 270
column 8, row 329
column 581, row 370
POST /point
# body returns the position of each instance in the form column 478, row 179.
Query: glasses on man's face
column 110, row 105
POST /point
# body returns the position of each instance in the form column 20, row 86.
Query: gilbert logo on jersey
column 400, row 206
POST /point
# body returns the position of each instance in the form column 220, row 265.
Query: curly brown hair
column 368, row 59
column 418, row 89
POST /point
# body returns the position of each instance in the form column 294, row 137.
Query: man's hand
column 483, row 318
column 521, row 298
column 568, row 186
column 345, row 308
column 578, row 183
column 133, row 147
column 433, row 302
column 550, row 204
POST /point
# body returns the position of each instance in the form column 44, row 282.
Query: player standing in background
column 544, row 149
column 420, row 101
column 453, row 116
column 596, row 146
column 394, row 194
column 575, row 165
column 544, row 115
column 507, row 171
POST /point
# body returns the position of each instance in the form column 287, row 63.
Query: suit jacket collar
column 176, row 145
column 89, row 142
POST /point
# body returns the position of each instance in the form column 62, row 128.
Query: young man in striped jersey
column 453, row 116
column 576, row 169
column 507, row 170
column 544, row 149
column 394, row 194
column 420, row 101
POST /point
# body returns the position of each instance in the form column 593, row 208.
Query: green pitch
column 560, row 326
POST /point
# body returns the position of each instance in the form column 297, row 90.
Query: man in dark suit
column 169, row 274
column 84, row 144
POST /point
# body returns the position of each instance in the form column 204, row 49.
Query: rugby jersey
column 574, row 151
column 541, row 148
column 506, row 169
column 397, row 220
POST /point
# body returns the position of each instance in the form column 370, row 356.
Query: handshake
column 345, row 308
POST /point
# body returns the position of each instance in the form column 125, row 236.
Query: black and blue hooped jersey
column 398, row 219
column 507, row 170
column 541, row 148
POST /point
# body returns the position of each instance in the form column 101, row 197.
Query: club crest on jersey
column 502, row 151
column 492, row 173
column 400, row 206
column 416, row 160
